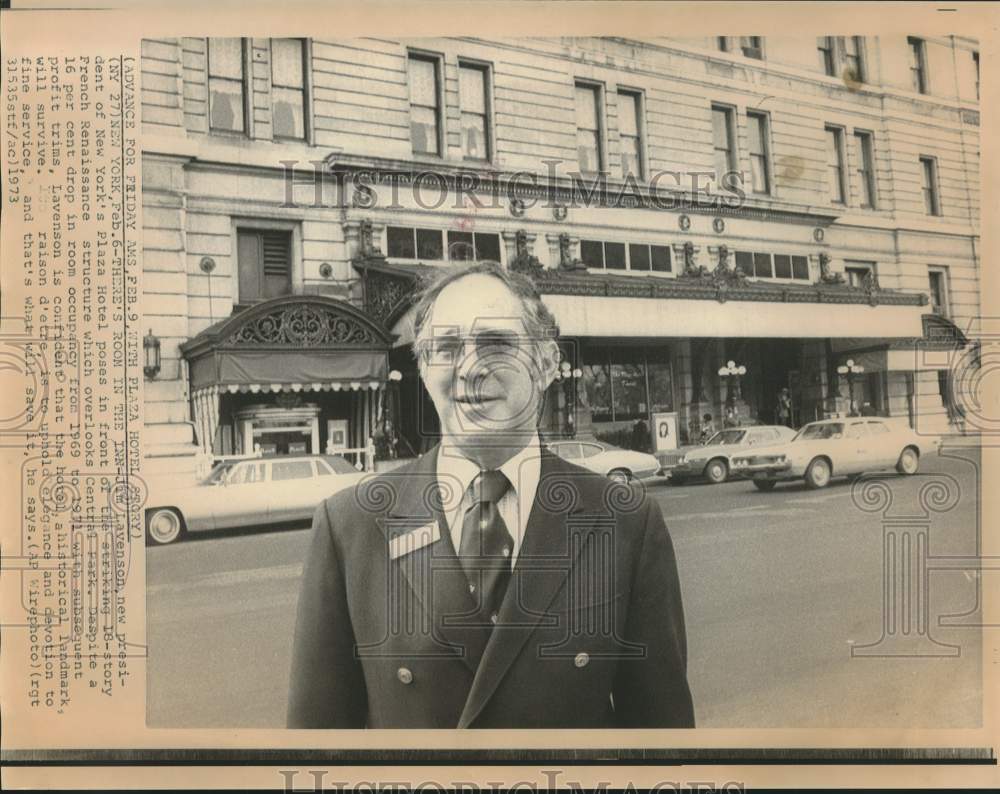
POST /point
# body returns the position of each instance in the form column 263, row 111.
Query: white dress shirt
column 523, row 470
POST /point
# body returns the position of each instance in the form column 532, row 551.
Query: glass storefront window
column 661, row 387
column 629, row 385
column 597, row 382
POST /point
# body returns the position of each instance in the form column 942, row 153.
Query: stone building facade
column 787, row 204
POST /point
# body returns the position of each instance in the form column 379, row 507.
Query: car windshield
column 726, row 437
column 820, row 431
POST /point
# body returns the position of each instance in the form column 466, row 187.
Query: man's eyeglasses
column 450, row 348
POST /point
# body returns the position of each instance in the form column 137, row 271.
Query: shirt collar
column 522, row 468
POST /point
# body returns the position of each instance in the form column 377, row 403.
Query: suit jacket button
column 404, row 675
column 582, row 659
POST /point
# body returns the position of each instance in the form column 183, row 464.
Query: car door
column 293, row 489
column 857, row 453
column 595, row 459
column 242, row 499
column 885, row 445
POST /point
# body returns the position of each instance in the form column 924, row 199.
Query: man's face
column 484, row 373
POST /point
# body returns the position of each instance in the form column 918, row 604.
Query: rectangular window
column 760, row 166
column 835, row 164
column 866, row 168
column 722, row 42
column 824, row 46
column 226, row 85
column 937, row 278
column 928, row 175
column 752, row 46
column 425, row 109
column 264, row 262
column 409, row 243
column 464, row 246
column 723, row 142
column 918, row 64
column 288, row 88
column 640, row 257
column 590, row 154
column 853, row 60
column 473, row 83
column 630, row 132
column 762, row 266
column 857, row 272
column 975, row 64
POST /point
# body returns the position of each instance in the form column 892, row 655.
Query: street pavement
column 777, row 589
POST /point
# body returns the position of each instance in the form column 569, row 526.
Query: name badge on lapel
column 415, row 539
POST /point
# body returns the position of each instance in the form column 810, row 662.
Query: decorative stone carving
column 302, row 326
column 384, row 293
column 524, row 261
column 871, row 286
column 566, row 259
column 691, row 268
column 366, row 240
column 826, row 276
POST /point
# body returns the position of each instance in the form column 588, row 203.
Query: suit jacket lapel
column 433, row 571
column 550, row 547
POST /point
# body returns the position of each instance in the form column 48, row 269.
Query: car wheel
column 818, row 473
column 716, row 471
column 909, row 461
column 623, row 476
column 764, row 485
column 164, row 525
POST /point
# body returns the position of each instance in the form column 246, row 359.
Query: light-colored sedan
column 618, row 464
column 711, row 460
column 247, row 492
column 836, row 447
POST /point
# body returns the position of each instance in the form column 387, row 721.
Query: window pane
column 429, row 244
column 628, row 114
column 720, row 128
column 661, row 258
column 762, row 265
column 474, row 136
column 755, row 124
column 614, row 256
column 488, row 247
column 661, row 391
column 758, row 173
column 586, row 107
column 744, row 262
column 587, row 150
column 825, row 47
column 638, row 257
column 291, row 470
column 423, row 82
column 631, row 162
column 460, row 246
column 399, row 241
column 782, row 266
column 629, row 391
column 423, row 130
column 592, row 253
column 800, row 267
column 286, row 63
column 288, row 115
column 225, row 58
column 226, row 100
column 597, row 386
column 472, row 88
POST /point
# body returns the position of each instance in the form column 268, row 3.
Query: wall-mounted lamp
column 395, row 375
column 851, row 371
column 151, row 355
column 732, row 374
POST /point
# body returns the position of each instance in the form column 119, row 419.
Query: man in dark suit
column 489, row 584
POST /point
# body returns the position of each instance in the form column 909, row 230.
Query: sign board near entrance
column 664, row 431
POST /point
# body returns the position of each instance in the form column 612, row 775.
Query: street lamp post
column 569, row 377
column 850, row 370
column 731, row 374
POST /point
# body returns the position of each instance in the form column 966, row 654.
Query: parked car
column 711, row 460
column 836, row 447
column 618, row 464
column 246, row 492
